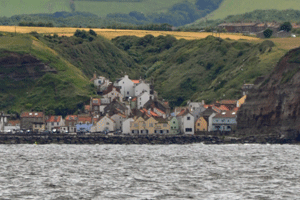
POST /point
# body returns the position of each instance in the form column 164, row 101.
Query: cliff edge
column 273, row 106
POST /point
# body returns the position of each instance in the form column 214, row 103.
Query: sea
column 195, row 171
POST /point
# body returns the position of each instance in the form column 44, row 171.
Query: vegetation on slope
column 61, row 91
column 206, row 69
column 234, row 7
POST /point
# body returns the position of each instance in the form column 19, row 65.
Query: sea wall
column 153, row 139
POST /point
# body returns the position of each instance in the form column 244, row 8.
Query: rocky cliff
column 273, row 106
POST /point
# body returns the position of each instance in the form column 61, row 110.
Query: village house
column 142, row 99
column 208, row 115
column 230, row 104
column 174, row 126
column 70, row 123
column 138, row 126
column 104, row 103
column 201, row 124
column 117, row 107
column 126, row 126
column 38, row 127
column 141, row 87
column 84, row 123
column 162, row 126
column 161, row 107
column 12, row 125
column 112, row 93
column 95, row 104
column 224, row 121
column 3, row 120
column 27, row 119
column 126, row 86
column 54, row 122
column 105, row 124
column 118, row 119
column 186, row 122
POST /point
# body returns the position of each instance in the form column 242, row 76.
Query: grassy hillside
column 207, row 69
column 61, row 88
column 234, row 7
column 18, row 7
column 100, row 8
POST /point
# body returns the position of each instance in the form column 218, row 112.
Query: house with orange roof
column 84, row 123
column 70, row 123
column 225, row 121
column 54, row 122
column 12, row 125
column 27, row 119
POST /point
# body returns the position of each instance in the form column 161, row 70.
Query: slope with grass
column 234, row 7
column 36, row 77
column 207, row 69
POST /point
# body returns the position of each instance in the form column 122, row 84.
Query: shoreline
column 144, row 139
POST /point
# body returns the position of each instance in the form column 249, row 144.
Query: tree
column 286, row 26
column 268, row 33
column 92, row 32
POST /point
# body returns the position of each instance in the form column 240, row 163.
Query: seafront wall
column 149, row 139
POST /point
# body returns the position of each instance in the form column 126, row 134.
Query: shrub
column 268, row 33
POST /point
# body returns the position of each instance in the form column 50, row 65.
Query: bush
column 92, row 32
column 268, row 33
column 286, row 26
column 35, row 34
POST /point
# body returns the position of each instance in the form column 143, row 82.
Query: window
column 188, row 130
column 52, row 124
column 136, row 125
column 161, row 131
column 132, row 131
column 217, row 120
column 173, row 122
column 107, row 123
column 151, row 125
column 112, row 93
column 127, row 92
column 188, row 118
column 57, row 123
column 40, row 125
column 198, row 124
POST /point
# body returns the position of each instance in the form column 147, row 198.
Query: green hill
column 51, row 73
column 100, row 8
column 206, row 69
column 234, row 7
column 33, row 76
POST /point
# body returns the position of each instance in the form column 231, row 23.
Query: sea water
column 193, row 171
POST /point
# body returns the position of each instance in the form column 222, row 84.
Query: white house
column 186, row 122
column 224, row 121
column 126, row 126
column 54, row 122
column 142, row 99
column 126, row 86
column 119, row 119
column 105, row 124
column 141, row 87
column 3, row 120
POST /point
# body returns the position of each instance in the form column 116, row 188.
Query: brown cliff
column 273, row 106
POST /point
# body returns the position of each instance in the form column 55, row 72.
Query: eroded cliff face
column 273, row 106
column 18, row 67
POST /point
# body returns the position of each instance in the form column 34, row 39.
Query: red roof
column 87, row 107
column 183, row 112
column 226, row 114
column 84, row 119
column 146, row 113
column 32, row 114
column 228, row 102
column 96, row 102
column 222, row 107
column 14, row 122
column 136, row 81
column 235, row 109
column 71, row 117
column 54, row 119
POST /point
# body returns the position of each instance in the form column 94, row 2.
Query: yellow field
column 286, row 43
column 112, row 33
